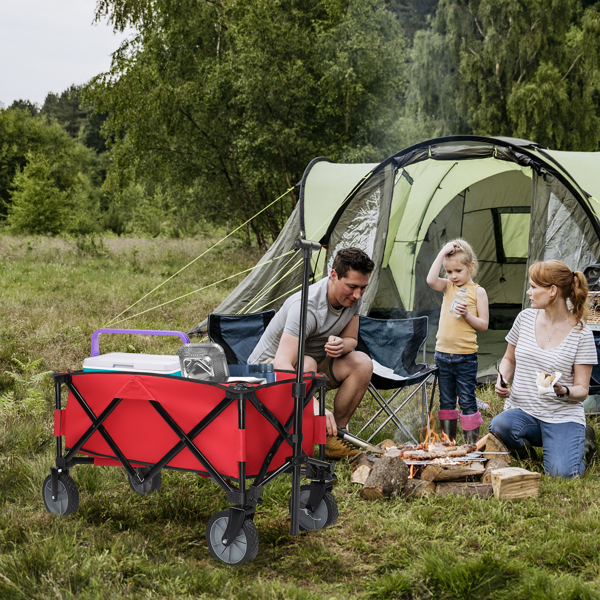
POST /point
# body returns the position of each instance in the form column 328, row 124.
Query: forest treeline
column 213, row 108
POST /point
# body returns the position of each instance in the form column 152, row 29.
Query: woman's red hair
column 572, row 284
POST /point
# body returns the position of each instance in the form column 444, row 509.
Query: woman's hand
column 501, row 392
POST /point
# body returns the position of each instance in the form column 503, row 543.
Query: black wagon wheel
column 326, row 513
column 241, row 550
column 67, row 499
column 149, row 485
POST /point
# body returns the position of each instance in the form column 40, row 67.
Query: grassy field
column 121, row 545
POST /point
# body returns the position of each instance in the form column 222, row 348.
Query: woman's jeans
column 457, row 376
column 562, row 442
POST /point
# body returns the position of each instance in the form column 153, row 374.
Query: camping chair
column 393, row 345
column 238, row 334
column 592, row 274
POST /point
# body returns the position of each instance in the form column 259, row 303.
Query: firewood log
column 493, row 444
column 386, row 479
column 361, row 459
column 387, row 444
column 413, row 488
column 457, row 472
column 513, row 482
column 462, row 488
column 430, row 472
column 360, row 474
column 494, row 463
column 482, row 442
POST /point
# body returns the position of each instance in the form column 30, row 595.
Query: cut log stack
column 387, row 476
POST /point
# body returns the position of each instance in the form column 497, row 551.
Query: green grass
column 55, row 292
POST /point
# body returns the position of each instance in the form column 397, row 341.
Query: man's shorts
column 326, row 367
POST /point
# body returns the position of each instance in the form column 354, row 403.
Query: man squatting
column 331, row 336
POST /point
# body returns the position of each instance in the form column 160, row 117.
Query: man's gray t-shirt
column 322, row 321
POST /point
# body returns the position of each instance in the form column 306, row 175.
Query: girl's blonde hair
column 466, row 255
column 572, row 284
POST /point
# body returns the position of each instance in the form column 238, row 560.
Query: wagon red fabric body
column 144, row 437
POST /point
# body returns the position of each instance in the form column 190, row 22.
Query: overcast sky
column 47, row 45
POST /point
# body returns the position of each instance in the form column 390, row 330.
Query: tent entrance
column 493, row 215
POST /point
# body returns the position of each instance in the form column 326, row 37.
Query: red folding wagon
column 240, row 435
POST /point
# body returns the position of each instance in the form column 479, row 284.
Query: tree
column 67, row 109
column 38, row 206
column 519, row 68
column 52, row 194
column 20, row 134
column 25, row 105
column 233, row 99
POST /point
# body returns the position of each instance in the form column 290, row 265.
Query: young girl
column 456, row 348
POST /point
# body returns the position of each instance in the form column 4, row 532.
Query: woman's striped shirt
column 577, row 348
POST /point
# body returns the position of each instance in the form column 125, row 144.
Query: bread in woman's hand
column 544, row 379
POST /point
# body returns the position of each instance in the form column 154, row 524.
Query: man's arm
column 345, row 342
column 286, row 359
column 286, row 356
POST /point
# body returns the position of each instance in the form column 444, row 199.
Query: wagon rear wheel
column 326, row 513
column 67, row 499
column 149, row 485
column 240, row 550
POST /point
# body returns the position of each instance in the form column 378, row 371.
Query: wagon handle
column 95, row 350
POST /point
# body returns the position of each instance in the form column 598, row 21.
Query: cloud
column 48, row 45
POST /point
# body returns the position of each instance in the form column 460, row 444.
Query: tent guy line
column 114, row 319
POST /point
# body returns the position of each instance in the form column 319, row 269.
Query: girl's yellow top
column 456, row 336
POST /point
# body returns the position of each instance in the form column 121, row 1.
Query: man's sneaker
column 337, row 448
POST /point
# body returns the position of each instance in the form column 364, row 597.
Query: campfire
column 434, row 449
column 440, row 466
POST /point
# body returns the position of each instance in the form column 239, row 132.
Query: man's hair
column 352, row 258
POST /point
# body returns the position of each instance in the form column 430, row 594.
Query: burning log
column 387, row 478
column 414, row 488
column 461, row 488
column 513, row 482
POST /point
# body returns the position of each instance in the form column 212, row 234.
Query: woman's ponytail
column 579, row 297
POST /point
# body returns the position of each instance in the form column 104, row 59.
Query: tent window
column 511, row 229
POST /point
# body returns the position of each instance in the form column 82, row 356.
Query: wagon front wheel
column 148, row 486
column 240, row 550
column 324, row 515
column 66, row 501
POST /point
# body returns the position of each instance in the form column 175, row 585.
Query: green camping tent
column 515, row 201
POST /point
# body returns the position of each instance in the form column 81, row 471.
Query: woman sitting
column 550, row 338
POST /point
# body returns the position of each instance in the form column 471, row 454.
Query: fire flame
column 434, row 438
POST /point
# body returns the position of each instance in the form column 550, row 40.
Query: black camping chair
column 238, row 334
column 393, row 345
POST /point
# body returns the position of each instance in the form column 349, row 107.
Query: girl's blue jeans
column 457, row 376
column 562, row 442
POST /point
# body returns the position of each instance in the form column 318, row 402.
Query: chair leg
column 384, row 406
column 393, row 413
